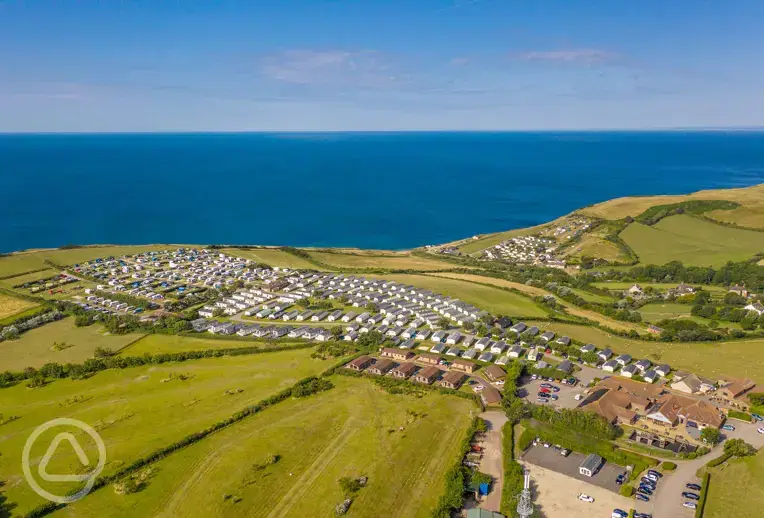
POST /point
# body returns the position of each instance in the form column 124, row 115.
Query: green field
column 660, row 286
column 593, row 297
column 494, row 300
column 28, row 277
column 657, row 311
column 10, row 306
column 737, row 489
column 141, row 409
column 692, row 241
column 594, row 244
column 352, row 430
column 389, row 261
column 272, row 257
column 715, row 360
column 155, row 344
column 35, row 347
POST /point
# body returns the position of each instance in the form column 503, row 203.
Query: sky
column 379, row 65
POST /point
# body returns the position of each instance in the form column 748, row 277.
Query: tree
column 590, row 357
column 372, row 308
column 102, row 352
column 738, row 448
column 336, row 332
column 444, row 323
column 711, row 435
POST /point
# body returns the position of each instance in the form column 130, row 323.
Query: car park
column 728, row 427
column 694, row 487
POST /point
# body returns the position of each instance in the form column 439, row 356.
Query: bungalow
column 393, row 332
column 407, row 344
column 454, row 338
column 432, row 359
column 642, row 365
column 756, row 307
column 736, row 389
column 409, row 333
column 503, row 322
column 566, row 366
column 532, row 331
column 397, row 354
column 533, row 354
column 375, row 319
column 486, row 357
column 604, row 354
column 470, row 354
column 495, row 373
column 334, row 315
column 516, row 351
column 319, row 316
column 305, row 315
column 362, row 318
column 463, row 365
column 548, row 335
column 351, row 336
column 296, row 333
column 518, row 328
column 692, row 383
column 454, row 351
column 323, row 335
column 610, row 366
column 662, row 370
column 423, row 334
column 650, row 376
column 498, row 347
column 563, row 340
column 360, row 363
column 438, row 348
column 438, row 336
column 291, row 315
column 673, row 410
column 624, row 359
column 588, row 348
column 350, row 316
column 453, row 380
column 404, row 370
column 503, row 360
column 629, row 371
column 427, row 375
column 381, row 367
column 483, row 343
column 468, row 339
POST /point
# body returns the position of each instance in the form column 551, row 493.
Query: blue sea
column 370, row 190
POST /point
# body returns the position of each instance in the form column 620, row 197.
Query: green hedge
column 513, row 473
column 668, row 466
column 718, row 460
column 703, row 496
column 740, row 416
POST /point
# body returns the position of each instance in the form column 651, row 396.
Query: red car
column 545, row 390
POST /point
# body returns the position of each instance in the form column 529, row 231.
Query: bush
column 668, row 466
column 526, row 439
column 703, row 495
column 718, row 460
column 740, row 416
column 513, row 473
column 626, row 490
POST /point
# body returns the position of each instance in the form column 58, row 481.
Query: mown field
column 354, row 429
column 533, row 291
column 692, row 241
column 716, row 360
column 139, row 410
column 272, row 257
column 737, row 489
column 749, row 197
column 390, row 261
column 23, row 262
column 496, row 301
column 155, row 344
column 10, row 306
column 34, row 348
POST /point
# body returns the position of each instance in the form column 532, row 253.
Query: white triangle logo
column 43, row 468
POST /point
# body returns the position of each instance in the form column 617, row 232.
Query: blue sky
column 301, row 65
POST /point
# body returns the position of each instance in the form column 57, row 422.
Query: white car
column 585, row 498
column 760, row 430
column 690, row 505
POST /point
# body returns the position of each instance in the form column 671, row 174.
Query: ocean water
column 370, row 190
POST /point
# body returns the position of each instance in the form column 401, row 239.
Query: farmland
column 595, row 245
column 387, row 261
column 355, row 429
column 712, row 359
column 10, row 306
column 138, row 410
column 272, row 257
column 693, row 241
column 657, row 311
column 156, row 344
column 491, row 299
column 737, row 489
column 35, row 348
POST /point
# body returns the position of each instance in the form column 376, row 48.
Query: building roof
column 383, row 364
column 592, row 462
column 405, row 368
column 429, row 372
column 739, row 387
column 360, row 361
column 454, row 377
column 477, row 512
column 671, row 406
column 495, row 372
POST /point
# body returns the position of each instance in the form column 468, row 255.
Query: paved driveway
column 491, row 463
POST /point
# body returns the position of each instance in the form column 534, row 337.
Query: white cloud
column 586, row 56
column 332, row 67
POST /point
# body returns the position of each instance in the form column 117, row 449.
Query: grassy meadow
column 737, row 489
column 716, row 360
column 34, row 348
column 693, row 241
column 657, row 311
column 10, row 306
column 496, row 301
column 401, row 443
column 156, row 344
column 138, row 410
column 272, row 257
column 389, row 261
column 594, row 244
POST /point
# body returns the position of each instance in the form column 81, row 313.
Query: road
column 491, row 463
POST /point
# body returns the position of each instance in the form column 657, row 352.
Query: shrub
column 668, row 466
column 626, row 490
column 740, row 416
column 703, row 495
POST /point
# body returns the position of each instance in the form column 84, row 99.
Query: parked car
column 656, row 473
column 644, row 491
column 555, row 397
column 691, row 496
column 652, row 477
column 694, row 487
column 534, row 377
column 620, row 479
column 585, row 498
column 619, row 513
column 690, row 505
column 556, row 389
column 578, row 397
column 641, row 497
column 546, row 385
column 565, row 453
column 643, row 515
column 545, row 390
column 757, row 417
column 728, row 427
column 760, row 430
column 542, row 394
